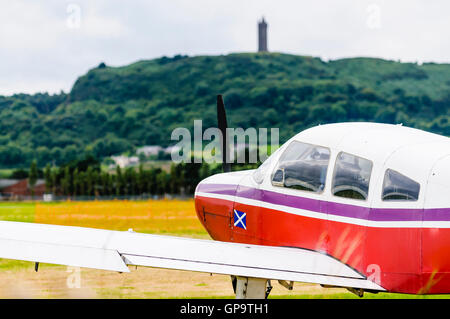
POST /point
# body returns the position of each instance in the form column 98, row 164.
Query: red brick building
column 17, row 188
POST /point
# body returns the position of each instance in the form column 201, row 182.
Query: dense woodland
column 112, row 110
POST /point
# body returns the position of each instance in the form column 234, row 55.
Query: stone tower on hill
column 262, row 36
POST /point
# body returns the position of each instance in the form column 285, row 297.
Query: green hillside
column 115, row 109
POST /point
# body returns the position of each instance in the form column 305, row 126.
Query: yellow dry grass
column 152, row 216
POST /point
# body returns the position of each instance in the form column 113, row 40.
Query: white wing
column 114, row 250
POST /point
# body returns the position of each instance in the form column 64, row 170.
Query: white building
column 125, row 161
column 149, row 150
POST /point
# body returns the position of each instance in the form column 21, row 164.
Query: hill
column 115, row 109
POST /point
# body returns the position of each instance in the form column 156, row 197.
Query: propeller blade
column 222, row 124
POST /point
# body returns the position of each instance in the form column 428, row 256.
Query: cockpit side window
column 302, row 166
column 351, row 176
column 398, row 187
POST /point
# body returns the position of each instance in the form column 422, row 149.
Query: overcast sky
column 46, row 45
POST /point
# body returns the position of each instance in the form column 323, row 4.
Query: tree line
column 181, row 179
column 86, row 178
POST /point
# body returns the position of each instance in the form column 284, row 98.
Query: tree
column 162, row 180
column 90, row 181
column 82, row 183
column 152, row 184
column 66, row 182
column 192, row 176
column 132, row 181
column 33, row 176
column 205, row 171
column 119, row 181
column 95, row 182
column 19, row 174
column 141, row 176
column 176, row 177
column 48, row 179
column 54, row 179
column 76, row 182
column 112, row 186
column 105, row 183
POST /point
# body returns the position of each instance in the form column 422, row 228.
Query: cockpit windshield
column 302, row 166
column 260, row 172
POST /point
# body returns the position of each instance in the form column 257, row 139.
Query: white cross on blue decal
column 240, row 219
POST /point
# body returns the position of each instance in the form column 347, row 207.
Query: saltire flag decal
column 240, row 219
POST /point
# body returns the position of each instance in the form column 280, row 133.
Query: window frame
column 276, row 168
column 264, row 168
column 399, row 200
column 334, row 175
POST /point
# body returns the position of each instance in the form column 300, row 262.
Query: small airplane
column 363, row 206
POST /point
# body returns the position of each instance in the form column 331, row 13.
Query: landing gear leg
column 251, row 288
column 234, row 283
column 359, row 292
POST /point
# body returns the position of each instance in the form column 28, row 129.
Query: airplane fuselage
column 401, row 243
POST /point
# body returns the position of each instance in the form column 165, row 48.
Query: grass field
column 173, row 217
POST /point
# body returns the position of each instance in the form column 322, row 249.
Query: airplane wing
column 114, row 250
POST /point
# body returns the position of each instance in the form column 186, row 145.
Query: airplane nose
column 214, row 204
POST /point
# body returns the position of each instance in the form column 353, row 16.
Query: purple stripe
column 224, row 189
column 291, row 201
column 333, row 208
column 395, row 214
column 346, row 210
column 437, row 214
